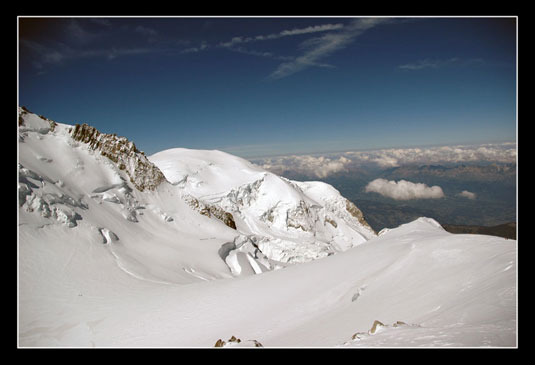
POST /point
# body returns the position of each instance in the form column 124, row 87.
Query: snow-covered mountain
column 121, row 249
column 78, row 175
column 287, row 221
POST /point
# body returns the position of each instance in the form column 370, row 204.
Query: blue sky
column 267, row 86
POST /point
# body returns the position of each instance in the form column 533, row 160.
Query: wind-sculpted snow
column 416, row 285
column 257, row 254
column 43, row 196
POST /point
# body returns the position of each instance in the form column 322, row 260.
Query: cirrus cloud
column 404, row 190
column 285, row 33
column 321, row 47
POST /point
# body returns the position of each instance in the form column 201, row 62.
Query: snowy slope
column 101, row 183
column 65, row 187
column 101, row 263
column 450, row 290
column 288, row 221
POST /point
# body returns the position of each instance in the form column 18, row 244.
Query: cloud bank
column 320, row 167
column 404, row 190
column 324, row 165
column 393, row 157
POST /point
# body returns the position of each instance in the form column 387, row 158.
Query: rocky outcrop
column 210, row 210
column 233, row 341
column 357, row 213
column 142, row 173
column 378, row 325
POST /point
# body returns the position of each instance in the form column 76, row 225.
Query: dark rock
column 142, row 173
column 219, row 343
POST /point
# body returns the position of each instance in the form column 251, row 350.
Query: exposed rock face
column 210, row 210
column 143, row 173
column 357, row 213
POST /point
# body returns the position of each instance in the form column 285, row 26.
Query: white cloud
column 285, row 33
column 427, row 63
column 404, row 190
column 467, row 194
column 337, row 37
column 384, row 161
column 393, row 157
column 437, row 63
column 311, row 29
column 320, row 47
column 235, row 44
column 200, row 48
column 320, row 167
column 261, row 54
column 323, row 166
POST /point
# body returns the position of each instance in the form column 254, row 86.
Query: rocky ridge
column 40, row 194
column 143, row 173
column 210, row 210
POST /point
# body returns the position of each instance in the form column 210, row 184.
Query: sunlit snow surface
column 102, row 264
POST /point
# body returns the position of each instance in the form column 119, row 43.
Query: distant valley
column 507, row 230
column 493, row 186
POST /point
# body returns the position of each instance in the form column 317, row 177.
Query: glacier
column 187, row 247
